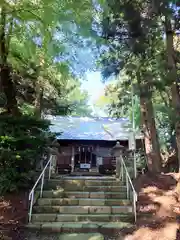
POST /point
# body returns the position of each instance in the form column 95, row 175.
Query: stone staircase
column 82, row 204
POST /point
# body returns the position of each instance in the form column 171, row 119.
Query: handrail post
column 41, row 177
column 122, row 171
column 135, row 164
column 127, row 186
column 50, row 166
column 134, row 206
column 42, row 185
column 31, row 198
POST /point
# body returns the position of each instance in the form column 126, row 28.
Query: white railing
column 129, row 185
column 41, row 178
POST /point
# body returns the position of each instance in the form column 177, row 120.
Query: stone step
column 84, row 179
column 75, row 176
column 57, row 194
column 78, row 227
column 83, row 209
column 82, row 182
column 81, row 173
column 47, row 217
column 82, row 202
column 71, row 187
column 94, row 170
column 81, row 236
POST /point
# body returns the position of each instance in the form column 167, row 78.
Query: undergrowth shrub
column 23, row 140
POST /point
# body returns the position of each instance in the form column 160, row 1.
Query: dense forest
column 142, row 54
column 38, row 42
column 135, row 43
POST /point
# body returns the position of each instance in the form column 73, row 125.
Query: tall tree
column 171, row 15
column 128, row 33
column 38, row 26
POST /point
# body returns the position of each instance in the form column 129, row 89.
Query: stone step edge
column 80, row 192
column 84, row 189
column 81, row 202
column 93, row 199
column 83, row 206
column 96, row 178
column 85, row 178
column 123, row 214
column 101, row 192
column 65, row 217
column 84, row 181
column 61, row 226
column 90, row 186
column 127, row 208
column 119, row 183
column 128, row 214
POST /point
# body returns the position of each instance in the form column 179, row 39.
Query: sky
column 95, row 87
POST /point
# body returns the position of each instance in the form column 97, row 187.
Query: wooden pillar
column 72, row 159
column 85, row 152
column 91, row 155
column 79, row 155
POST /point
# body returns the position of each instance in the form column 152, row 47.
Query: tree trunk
column 150, row 133
column 173, row 75
column 9, row 91
column 38, row 99
column 5, row 75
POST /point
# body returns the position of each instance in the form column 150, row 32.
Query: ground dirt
column 159, row 196
column 13, row 215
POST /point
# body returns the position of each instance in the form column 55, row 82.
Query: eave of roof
column 84, row 128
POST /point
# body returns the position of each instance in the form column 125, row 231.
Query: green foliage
column 137, row 55
column 78, row 100
column 38, row 43
column 23, row 140
column 37, row 38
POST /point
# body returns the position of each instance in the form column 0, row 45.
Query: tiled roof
column 84, row 128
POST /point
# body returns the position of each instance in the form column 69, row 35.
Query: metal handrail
column 41, row 177
column 128, row 185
